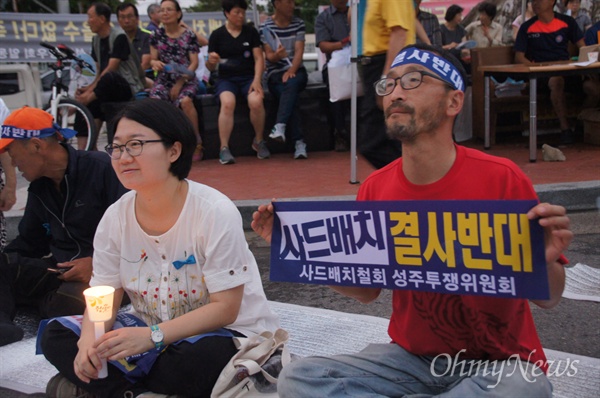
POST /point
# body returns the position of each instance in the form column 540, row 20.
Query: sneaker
column 567, row 137
column 225, row 156
column 277, row 134
column 262, row 152
column 300, row 152
column 60, row 387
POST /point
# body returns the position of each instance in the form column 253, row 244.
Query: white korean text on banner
column 21, row 33
column 457, row 247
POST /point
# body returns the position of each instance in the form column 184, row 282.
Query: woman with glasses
column 177, row 248
column 174, row 55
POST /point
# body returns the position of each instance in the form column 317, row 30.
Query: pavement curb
column 575, row 197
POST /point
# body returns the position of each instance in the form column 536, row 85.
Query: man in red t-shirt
column 456, row 345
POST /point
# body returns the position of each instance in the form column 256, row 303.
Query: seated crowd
column 244, row 62
column 237, row 58
column 543, row 35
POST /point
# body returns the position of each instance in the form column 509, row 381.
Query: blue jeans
column 387, row 370
column 287, row 95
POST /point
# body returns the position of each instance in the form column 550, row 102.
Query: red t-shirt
column 433, row 323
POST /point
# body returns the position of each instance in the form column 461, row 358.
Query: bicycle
column 67, row 112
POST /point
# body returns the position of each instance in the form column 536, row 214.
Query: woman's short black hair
column 229, row 5
column 170, row 123
column 177, row 7
column 488, row 8
column 452, row 12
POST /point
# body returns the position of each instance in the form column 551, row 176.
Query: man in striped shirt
column 283, row 37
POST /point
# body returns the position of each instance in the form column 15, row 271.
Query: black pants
column 373, row 141
column 111, row 87
column 26, row 281
column 185, row 369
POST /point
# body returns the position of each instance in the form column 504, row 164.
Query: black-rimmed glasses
column 408, row 81
column 133, row 148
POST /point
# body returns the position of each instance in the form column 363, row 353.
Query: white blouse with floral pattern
column 169, row 275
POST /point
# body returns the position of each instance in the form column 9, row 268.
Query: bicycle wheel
column 74, row 115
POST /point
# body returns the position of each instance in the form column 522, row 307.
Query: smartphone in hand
column 59, row 270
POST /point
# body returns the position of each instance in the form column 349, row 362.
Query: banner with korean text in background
column 457, row 247
column 21, row 33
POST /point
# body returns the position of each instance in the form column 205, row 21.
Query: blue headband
column 434, row 63
column 17, row 133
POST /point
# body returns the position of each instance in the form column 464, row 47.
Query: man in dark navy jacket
column 545, row 38
column 49, row 263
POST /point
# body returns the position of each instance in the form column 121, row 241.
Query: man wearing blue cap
column 442, row 344
column 49, row 263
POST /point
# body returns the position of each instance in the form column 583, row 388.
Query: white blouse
column 169, row 275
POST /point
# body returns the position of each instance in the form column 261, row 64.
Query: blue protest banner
column 457, row 247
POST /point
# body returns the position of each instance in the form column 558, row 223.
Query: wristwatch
column 157, row 336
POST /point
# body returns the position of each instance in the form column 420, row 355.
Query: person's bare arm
column 270, row 53
column 146, row 58
column 421, row 34
column 397, row 42
column 222, row 310
column 259, row 68
column 203, row 41
column 521, row 59
column 296, row 62
column 155, row 64
column 328, row 47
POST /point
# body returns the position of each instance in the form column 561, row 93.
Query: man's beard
column 429, row 120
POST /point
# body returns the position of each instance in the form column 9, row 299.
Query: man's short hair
column 124, row 6
column 229, row 5
column 488, row 8
column 102, row 10
column 153, row 9
column 452, row 12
